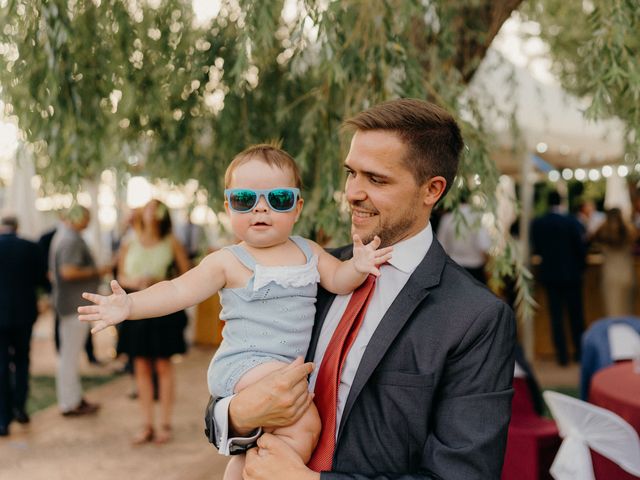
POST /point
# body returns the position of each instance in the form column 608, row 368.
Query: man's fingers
column 296, row 362
column 116, row 288
column 374, row 271
column 93, row 297
column 302, row 404
column 297, row 370
column 357, row 241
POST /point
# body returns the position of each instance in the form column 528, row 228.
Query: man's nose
column 354, row 191
column 262, row 205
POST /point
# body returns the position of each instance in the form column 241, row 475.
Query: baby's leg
column 303, row 435
column 234, row 468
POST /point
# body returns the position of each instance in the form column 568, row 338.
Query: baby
column 267, row 285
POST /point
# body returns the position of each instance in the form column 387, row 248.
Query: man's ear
column 299, row 205
column 432, row 190
column 226, row 207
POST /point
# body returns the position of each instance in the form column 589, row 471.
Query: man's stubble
column 391, row 232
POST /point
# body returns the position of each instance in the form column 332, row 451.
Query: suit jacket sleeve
column 471, row 415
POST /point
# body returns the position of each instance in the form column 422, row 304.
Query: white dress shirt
column 406, row 257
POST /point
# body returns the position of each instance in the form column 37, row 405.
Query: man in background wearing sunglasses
column 424, row 391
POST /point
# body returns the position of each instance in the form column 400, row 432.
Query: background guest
column 22, row 270
column 560, row 241
column 467, row 242
column 145, row 258
column 45, row 246
column 74, row 271
column 616, row 238
column 590, row 217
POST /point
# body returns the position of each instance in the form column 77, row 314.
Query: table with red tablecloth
column 616, row 388
column 532, row 441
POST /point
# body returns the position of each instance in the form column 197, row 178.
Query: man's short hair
column 430, row 133
column 553, row 198
column 270, row 154
column 76, row 213
column 9, row 221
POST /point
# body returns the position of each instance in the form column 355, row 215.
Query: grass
column 42, row 389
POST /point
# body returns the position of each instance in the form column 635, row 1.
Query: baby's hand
column 366, row 258
column 107, row 311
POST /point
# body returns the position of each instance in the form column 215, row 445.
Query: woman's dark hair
column 613, row 231
column 163, row 217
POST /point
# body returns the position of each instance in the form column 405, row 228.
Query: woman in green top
column 152, row 254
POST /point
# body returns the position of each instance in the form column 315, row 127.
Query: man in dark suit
column 425, row 391
column 22, row 270
column 560, row 240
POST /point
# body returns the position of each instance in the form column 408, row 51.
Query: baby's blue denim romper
column 272, row 321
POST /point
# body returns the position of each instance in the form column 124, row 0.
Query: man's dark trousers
column 14, row 370
column 569, row 296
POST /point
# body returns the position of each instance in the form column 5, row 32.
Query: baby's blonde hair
column 272, row 155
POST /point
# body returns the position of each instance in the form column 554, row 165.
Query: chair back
column 624, row 341
column 596, row 352
column 584, row 426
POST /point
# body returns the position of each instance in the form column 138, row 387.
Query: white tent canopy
column 551, row 122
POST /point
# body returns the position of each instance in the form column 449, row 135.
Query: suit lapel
column 426, row 276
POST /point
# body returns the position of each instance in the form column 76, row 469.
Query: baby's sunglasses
column 243, row 200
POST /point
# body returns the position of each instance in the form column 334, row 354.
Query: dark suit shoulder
column 459, row 282
column 461, row 310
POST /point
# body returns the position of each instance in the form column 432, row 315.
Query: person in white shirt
column 466, row 242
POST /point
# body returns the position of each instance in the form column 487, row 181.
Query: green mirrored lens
column 282, row 199
column 242, row 200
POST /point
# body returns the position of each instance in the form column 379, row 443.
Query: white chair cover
column 585, row 426
column 624, row 341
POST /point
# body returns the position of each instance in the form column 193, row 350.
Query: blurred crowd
column 149, row 249
column 60, row 267
column 563, row 244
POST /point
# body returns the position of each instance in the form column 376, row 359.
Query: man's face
column 382, row 193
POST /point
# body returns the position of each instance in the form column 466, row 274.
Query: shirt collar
column 408, row 254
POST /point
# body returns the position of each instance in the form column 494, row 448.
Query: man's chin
column 365, row 235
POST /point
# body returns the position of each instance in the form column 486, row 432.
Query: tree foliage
column 595, row 49
column 138, row 84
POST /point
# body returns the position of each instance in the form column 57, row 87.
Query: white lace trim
column 288, row 275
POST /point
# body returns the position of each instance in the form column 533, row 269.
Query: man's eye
column 350, row 172
column 376, row 180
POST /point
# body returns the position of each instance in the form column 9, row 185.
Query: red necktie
column 326, row 390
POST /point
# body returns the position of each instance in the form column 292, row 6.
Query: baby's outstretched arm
column 160, row 299
column 344, row 277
